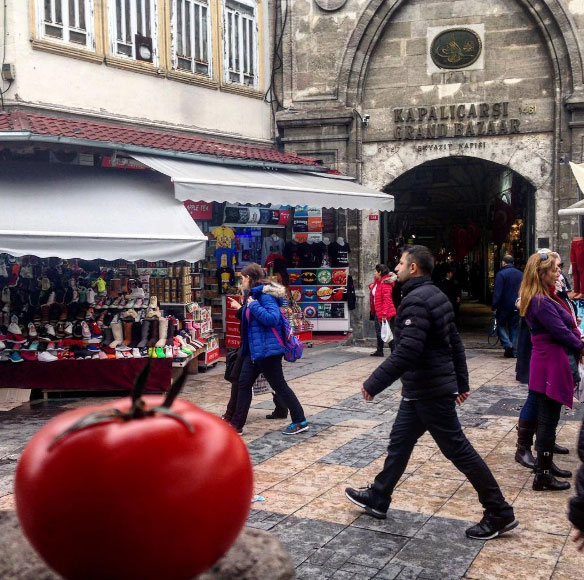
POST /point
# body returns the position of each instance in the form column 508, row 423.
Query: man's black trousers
column 438, row 416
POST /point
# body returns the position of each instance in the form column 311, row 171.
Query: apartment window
column 191, row 36
column 70, row 21
column 240, row 37
column 133, row 29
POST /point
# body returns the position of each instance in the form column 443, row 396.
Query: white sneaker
column 90, row 296
column 46, row 357
column 14, row 328
column 178, row 353
column 85, row 332
column 136, row 353
column 51, row 299
column 32, row 331
column 50, row 329
column 2, row 345
column 68, row 330
column 119, row 354
column 168, row 352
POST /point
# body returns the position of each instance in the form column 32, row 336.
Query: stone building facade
column 378, row 88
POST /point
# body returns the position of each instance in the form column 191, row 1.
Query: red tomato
column 142, row 499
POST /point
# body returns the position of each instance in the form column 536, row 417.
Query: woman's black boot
column 525, row 434
column 559, row 450
column 544, row 480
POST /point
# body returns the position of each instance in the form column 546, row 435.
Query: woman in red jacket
column 382, row 303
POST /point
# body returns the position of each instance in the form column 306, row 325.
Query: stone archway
column 527, row 156
column 555, row 24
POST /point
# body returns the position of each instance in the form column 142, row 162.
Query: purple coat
column 552, row 335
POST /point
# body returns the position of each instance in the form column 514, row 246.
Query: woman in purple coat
column 553, row 335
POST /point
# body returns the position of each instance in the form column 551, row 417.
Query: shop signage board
column 199, row 210
column 373, row 218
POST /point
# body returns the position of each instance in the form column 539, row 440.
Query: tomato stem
column 138, row 409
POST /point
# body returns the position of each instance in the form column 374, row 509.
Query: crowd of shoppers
column 428, row 355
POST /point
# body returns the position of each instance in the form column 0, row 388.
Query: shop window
column 191, row 36
column 240, row 39
column 69, row 21
column 133, row 29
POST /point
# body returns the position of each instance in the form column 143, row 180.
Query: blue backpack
column 293, row 348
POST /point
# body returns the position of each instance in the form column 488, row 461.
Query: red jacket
column 384, row 307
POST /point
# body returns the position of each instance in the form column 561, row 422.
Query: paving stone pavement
column 302, row 478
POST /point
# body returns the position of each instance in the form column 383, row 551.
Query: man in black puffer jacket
column 576, row 514
column 429, row 358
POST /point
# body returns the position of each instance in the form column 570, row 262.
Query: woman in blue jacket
column 261, row 349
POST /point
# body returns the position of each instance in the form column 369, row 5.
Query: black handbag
column 233, row 363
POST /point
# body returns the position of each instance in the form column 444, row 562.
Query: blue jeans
column 510, row 319
column 439, row 417
column 530, row 408
column 271, row 367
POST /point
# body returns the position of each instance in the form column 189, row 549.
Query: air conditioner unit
column 144, row 50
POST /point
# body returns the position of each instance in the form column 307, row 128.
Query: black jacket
column 428, row 355
column 576, row 513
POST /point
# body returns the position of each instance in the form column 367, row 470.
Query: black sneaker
column 275, row 415
column 366, row 499
column 377, row 353
column 490, row 527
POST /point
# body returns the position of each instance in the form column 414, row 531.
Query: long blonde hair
column 535, row 269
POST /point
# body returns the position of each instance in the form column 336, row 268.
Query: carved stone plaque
column 455, row 48
column 330, row 5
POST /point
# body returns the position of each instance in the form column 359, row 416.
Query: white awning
column 213, row 182
column 578, row 207
column 91, row 213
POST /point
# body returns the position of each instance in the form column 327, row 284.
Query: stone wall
column 372, row 58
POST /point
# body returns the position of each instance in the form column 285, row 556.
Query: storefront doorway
column 469, row 212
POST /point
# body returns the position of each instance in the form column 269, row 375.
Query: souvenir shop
column 300, row 240
column 298, row 246
column 98, row 270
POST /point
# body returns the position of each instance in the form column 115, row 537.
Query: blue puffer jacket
column 259, row 318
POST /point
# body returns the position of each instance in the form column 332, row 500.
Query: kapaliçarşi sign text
column 444, row 121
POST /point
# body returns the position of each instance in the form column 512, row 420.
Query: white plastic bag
column 386, row 334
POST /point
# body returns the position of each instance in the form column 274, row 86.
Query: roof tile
column 108, row 132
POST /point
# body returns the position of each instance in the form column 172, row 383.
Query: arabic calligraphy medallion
column 456, row 48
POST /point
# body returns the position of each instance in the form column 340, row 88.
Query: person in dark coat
column 430, row 360
column 507, row 282
column 576, row 512
column 262, row 348
column 451, row 288
column 554, row 334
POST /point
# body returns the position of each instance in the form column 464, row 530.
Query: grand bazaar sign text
column 445, row 121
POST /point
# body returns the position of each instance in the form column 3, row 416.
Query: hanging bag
column 233, row 363
column 386, row 334
column 293, row 348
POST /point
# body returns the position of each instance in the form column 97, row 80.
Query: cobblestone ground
column 303, row 477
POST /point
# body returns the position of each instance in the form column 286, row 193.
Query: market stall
column 89, row 285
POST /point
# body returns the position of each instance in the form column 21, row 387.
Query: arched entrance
column 469, row 212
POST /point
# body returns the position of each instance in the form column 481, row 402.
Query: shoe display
column 367, row 499
column 295, row 428
column 491, row 527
